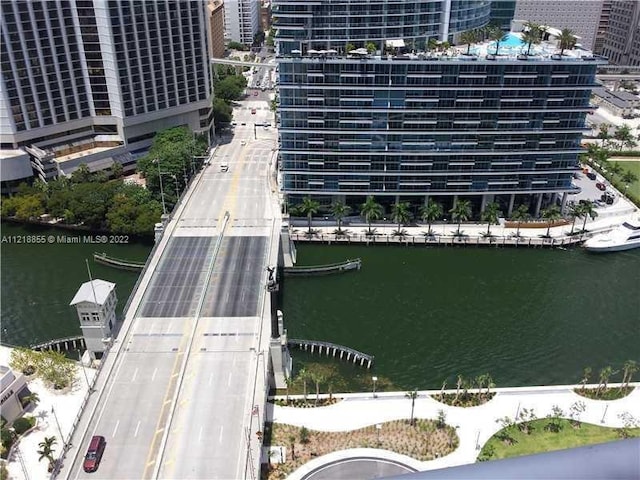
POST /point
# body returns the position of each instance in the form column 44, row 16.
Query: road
column 180, row 400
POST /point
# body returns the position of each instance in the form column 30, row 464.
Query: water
column 528, row 317
column 39, row 280
column 511, row 41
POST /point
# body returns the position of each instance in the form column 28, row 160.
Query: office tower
column 92, row 81
column 216, row 9
column 622, row 41
column 393, row 121
column 603, row 26
column 502, row 12
column 583, row 17
column 241, row 20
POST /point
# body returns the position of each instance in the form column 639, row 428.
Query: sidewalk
column 65, row 405
column 475, row 425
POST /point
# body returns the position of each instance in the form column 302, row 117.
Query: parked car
column 94, row 454
column 255, row 94
column 591, row 176
column 608, row 199
column 601, row 186
column 253, row 111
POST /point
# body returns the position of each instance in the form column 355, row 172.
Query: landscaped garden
column 466, row 395
column 420, row 439
column 603, row 391
column 548, row 434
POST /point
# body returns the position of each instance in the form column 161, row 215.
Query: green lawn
column 634, row 188
column 540, row 440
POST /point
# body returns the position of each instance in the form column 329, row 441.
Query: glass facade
column 416, row 125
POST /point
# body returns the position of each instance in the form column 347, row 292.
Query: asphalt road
column 179, row 400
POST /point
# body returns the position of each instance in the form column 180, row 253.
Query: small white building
column 95, row 302
column 14, row 390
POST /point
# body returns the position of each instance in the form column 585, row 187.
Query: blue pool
column 511, row 41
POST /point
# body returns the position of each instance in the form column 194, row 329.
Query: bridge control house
column 95, row 303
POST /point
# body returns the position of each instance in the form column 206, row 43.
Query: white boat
column 625, row 237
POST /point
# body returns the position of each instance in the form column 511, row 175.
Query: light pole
column 374, row 379
column 164, row 207
column 84, row 371
column 59, row 429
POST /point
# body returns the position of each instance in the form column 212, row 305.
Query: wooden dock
column 62, row 344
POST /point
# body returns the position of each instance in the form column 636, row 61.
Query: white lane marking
column 135, row 374
column 116, row 428
column 229, row 379
column 153, row 376
column 169, row 327
column 210, row 378
column 220, row 436
column 135, row 434
column 200, row 435
column 233, row 364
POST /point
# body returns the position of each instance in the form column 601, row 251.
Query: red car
column 253, row 110
column 255, row 94
column 94, row 454
column 601, row 186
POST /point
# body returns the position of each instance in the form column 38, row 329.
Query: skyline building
column 216, row 9
column 404, row 124
column 241, row 20
column 583, row 17
column 621, row 43
column 92, row 81
column 502, row 12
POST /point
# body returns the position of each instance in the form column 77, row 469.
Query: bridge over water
column 181, row 393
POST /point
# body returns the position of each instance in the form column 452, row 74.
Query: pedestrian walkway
column 474, row 425
column 55, row 413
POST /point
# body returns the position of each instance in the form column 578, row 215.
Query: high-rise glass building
column 241, row 20
column 92, row 81
column 403, row 124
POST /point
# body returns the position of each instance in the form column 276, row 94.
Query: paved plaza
column 474, row 425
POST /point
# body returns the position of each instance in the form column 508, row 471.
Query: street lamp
column 375, row 379
column 84, row 371
column 164, row 207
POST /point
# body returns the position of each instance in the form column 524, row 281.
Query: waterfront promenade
column 474, row 425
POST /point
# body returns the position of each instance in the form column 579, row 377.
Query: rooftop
column 619, row 99
column 95, row 291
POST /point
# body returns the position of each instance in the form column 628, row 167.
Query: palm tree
column 628, row 177
column 430, row 212
column 288, row 381
column 532, row 36
column 469, row 37
column 432, row 44
column 567, row 40
column 304, row 376
column 461, row 212
column 413, row 394
column 551, row 215
column 623, row 135
column 521, row 214
column 587, row 211
column 309, row 207
column 615, row 169
column 490, row 215
column 586, row 374
column 497, row 35
column 318, row 377
column 605, row 373
column 630, row 367
column 31, row 398
column 339, row 210
column 292, row 444
column 575, row 212
column 371, row 210
column 46, row 450
column 401, row 214
column 603, row 133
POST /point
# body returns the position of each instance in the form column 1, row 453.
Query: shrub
column 23, row 424
column 24, row 360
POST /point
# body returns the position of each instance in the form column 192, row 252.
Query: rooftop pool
column 511, row 41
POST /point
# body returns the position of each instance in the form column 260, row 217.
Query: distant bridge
column 333, row 348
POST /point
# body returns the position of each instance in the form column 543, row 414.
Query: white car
column 224, row 167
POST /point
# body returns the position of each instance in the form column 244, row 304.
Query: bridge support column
column 341, row 354
column 348, row 356
column 369, row 364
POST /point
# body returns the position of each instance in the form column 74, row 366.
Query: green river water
column 526, row 316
